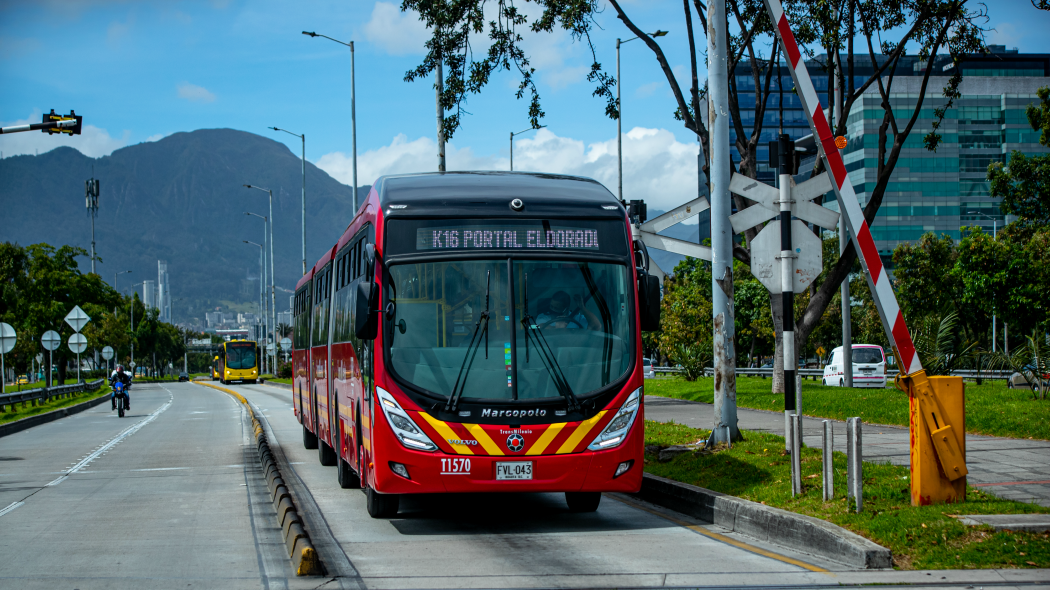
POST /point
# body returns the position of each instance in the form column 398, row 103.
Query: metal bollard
column 854, row 462
column 796, row 455
column 827, row 448
column 729, row 437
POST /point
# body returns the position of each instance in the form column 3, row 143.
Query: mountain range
column 181, row 199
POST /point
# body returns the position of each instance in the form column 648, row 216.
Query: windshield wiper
column 547, row 356
column 472, row 351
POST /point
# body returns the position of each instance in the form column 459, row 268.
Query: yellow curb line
column 719, row 537
column 306, row 561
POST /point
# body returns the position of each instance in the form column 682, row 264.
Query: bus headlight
column 614, row 433
column 406, row 430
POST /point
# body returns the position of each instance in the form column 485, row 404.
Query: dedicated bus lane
column 515, row 540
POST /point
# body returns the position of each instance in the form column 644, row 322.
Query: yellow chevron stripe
column 545, row 439
column 483, row 437
column 581, row 431
column 447, row 433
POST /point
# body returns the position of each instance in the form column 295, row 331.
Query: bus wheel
column 583, row 501
column 325, row 453
column 381, row 505
column 344, row 475
column 309, row 438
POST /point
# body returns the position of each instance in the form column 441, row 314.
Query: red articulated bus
column 477, row 332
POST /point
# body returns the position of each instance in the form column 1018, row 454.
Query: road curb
column 793, row 531
column 300, row 549
column 31, row 421
column 281, row 385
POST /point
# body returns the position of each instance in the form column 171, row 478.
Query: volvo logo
column 487, row 413
column 453, row 441
column 515, row 442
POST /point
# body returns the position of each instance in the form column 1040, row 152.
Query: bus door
column 320, row 357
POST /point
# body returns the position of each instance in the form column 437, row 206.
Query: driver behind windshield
column 563, row 312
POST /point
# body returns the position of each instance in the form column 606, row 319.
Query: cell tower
column 91, row 200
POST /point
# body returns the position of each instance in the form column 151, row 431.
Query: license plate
column 515, row 470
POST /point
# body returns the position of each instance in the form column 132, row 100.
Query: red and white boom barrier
column 849, row 206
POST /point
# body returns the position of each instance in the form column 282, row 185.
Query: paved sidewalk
column 1014, row 469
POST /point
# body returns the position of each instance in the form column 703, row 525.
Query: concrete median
column 765, row 523
column 300, row 549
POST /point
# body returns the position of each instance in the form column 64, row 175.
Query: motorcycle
column 121, row 397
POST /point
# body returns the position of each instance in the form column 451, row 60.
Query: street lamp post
column 995, row 227
column 115, row 276
column 131, row 297
column 262, row 272
column 619, row 116
column 303, row 137
column 512, row 134
column 273, row 290
column 353, row 115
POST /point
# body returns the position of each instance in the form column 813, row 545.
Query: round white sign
column 77, row 343
column 51, row 340
column 8, row 338
column 286, row 343
column 107, row 352
column 269, row 348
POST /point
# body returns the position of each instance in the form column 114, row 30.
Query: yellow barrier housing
column 937, row 408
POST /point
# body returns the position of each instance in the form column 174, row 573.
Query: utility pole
column 438, row 89
column 353, row 134
column 725, row 415
column 91, row 200
column 619, row 127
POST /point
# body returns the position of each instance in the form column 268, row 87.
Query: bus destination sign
column 502, row 237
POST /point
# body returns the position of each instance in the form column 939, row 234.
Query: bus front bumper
column 437, row 472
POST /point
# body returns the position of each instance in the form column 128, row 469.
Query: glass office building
column 929, row 191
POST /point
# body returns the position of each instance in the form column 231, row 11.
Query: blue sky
column 138, row 71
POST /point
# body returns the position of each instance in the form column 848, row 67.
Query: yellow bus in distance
column 237, row 362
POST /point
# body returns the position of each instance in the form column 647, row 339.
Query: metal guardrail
column 46, row 393
column 817, row 374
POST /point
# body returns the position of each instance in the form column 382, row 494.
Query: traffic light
column 52, row 117
column 636, row 210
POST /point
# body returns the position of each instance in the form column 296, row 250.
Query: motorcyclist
column 120, row 375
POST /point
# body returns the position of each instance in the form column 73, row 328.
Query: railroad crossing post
column 786, row 154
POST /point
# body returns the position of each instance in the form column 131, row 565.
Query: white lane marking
column 10, row 507
column 126, row 433
column 57, row 481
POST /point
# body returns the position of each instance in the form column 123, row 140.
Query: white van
column 869, row 367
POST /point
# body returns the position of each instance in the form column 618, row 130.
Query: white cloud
column 395, row 32
column 157, row 137
column 194, row 93
column 656, row 166
column 93, row 141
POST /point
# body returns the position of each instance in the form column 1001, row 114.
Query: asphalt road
column 157, row 499
column 171, row 497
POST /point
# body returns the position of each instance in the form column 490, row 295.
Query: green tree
column 686, row 319
column 41, row 284
column 1024, row 184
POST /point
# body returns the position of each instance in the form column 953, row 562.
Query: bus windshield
column 509, row 328
column 240, row 355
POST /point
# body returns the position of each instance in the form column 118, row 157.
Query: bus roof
column 490, row 193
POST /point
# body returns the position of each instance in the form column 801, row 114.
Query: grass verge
column 926, row 537
column 31, row 410
column 280, row 380
column 991, row 408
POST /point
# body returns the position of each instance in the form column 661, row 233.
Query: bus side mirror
column 370, row 261
column 366, row 321
column 649, row 303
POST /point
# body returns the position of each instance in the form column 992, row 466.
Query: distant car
column 869, row 367
column 647, row 368
column 23, row 380
column 184, row 376
column 767, row 366
column 1017, row 380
